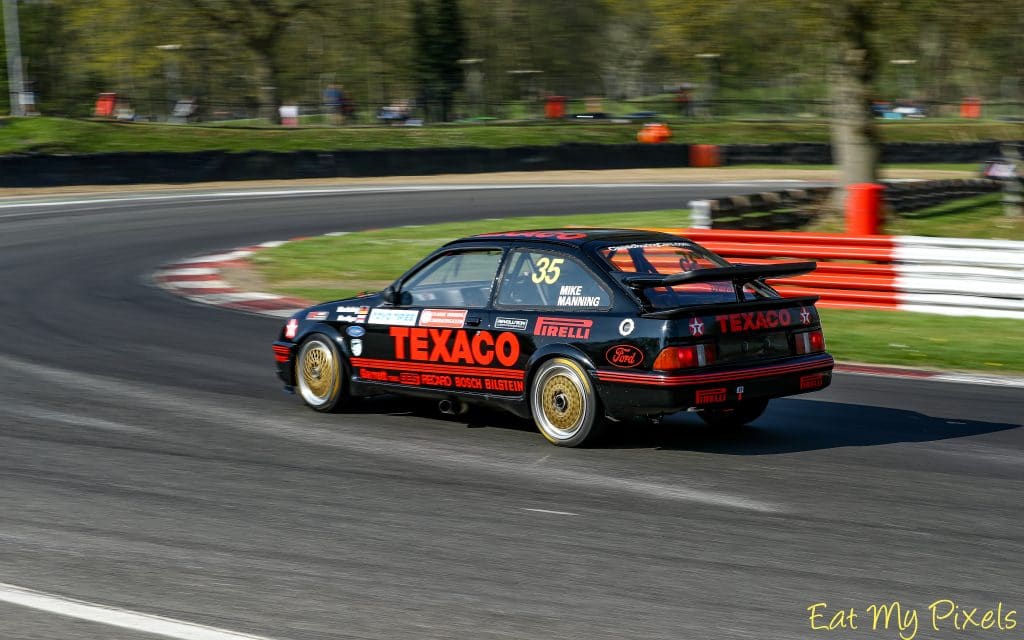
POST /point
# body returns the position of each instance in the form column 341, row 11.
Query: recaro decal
column 431, row 345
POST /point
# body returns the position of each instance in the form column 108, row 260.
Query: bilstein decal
column 578, row 328
column 450, row 346
column 624, row 356
column 754, row 321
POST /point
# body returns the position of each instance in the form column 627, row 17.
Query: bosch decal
column 578, row 328
column 624, row 356
column 754, row 321
column 449, row 346
column 449, row 318
column 511, row 324
column 404, row 317
column 355, row 332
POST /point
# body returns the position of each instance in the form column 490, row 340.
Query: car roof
column 576, row 237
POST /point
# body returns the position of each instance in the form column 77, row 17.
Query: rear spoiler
column 739, row 275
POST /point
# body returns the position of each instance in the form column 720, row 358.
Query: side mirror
column 390, row 295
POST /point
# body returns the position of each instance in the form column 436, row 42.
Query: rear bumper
column 283, row 358
column 641, row 393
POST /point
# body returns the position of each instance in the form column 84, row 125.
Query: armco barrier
column 35, row 170
column 952, row 276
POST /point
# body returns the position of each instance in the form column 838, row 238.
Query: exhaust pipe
column 452, row 408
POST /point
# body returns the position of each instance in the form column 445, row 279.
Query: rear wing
column 739, row 275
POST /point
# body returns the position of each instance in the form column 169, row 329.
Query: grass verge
column 332, row 267
column 61, row 135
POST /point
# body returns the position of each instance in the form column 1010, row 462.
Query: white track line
column 144, row 622
column 288, row 193
column 557, row 513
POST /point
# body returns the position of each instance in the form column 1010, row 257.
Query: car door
column 436, row 333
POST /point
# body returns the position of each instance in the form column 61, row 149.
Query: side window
column 454, row 280
column 543, row 279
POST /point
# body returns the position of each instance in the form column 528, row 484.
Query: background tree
column 260, row 26
column 855, row 142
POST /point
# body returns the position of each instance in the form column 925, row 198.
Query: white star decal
column 805, row 316
column 696, row 327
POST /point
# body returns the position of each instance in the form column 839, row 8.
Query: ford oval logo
column 355, row 331
column 624, row 356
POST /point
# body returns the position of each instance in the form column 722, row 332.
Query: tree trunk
column 855, row 144
column 268, row 78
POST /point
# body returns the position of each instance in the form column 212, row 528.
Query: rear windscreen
column 666, row 258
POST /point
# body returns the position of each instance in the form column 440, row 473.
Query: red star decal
column 291, row 328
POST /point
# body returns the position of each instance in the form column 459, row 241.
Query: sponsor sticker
column 511, row 324
column 571, row 295
column 357, row 346
column 696, row 327
column 449, row 318
column 403, row 317
column 291, row 328
column 558, row 235
column 710, row 396
column 624, row 356
column 316, row 315
column 455, row 347
column 754, row 321
column 805, row 315
column 351, row 309
column 578, row 328
column 343, row 317
column 355, row 332
column 812, row 381
column 739, row 393
column 626, row 327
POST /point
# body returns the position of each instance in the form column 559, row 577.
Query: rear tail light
column 809, row 342
column 688, row 357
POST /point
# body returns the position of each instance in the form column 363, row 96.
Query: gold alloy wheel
column 318, row 373
column 562, row 401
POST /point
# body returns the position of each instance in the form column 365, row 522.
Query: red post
column 864, row 209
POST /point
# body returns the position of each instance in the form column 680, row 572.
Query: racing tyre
column 736, row 415
column 564, row 404
column 320, row 374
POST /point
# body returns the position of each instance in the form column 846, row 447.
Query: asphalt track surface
column 149, row 462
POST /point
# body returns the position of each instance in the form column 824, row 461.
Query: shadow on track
column 788, row 426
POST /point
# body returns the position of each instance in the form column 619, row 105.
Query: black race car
column 574, row 327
